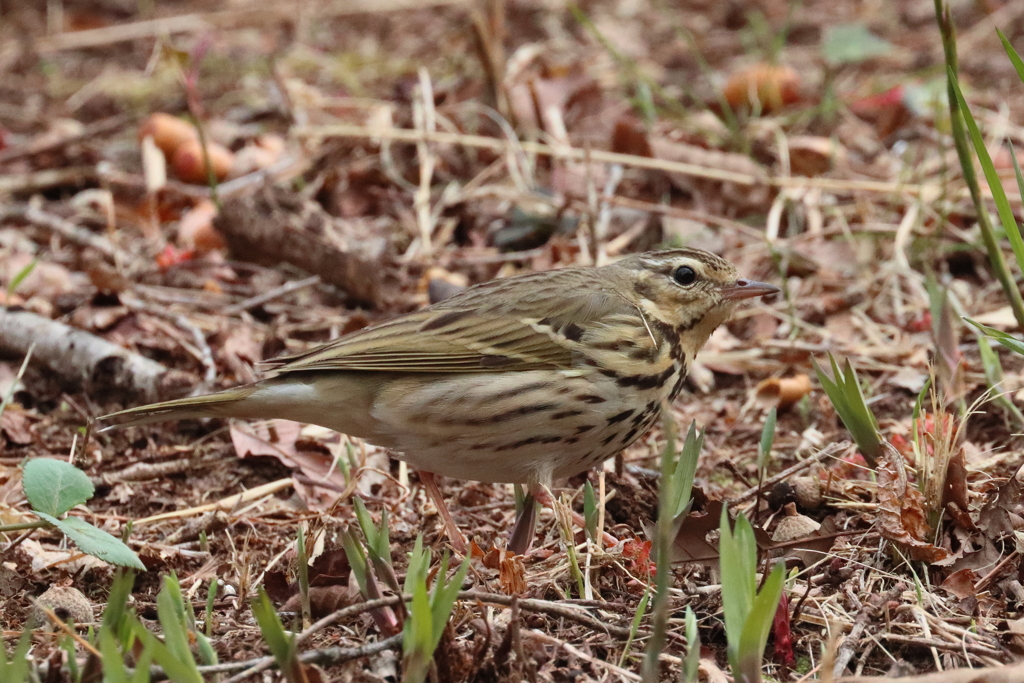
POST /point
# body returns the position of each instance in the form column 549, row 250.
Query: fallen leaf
column 961, row 583
column 901, row 516
column 1003, row 513
column 278, row 439
column 16, row 427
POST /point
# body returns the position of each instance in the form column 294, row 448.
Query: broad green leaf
column 738, row 565
column 851, row 43
column 95, row 542
column 757, row 626
column 54, row 486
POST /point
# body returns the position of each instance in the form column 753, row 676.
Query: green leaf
column 738, row 562
column 20, row 277
column 767, row 439
column 282, row 644
column 1015, row 59
column 995, row 184
column 95, row 542
column 114, row 669
column 15, row 669
column 1007, row 340
column 54, row 486
column 678, row 475
column 117, row 601
column 758, row 624
column 590, row 510
column 845, row 394
column 356, row 558
column 851, row 43
column 177, row 670
column 170, row 608
column 691, row 663
column 444, row 596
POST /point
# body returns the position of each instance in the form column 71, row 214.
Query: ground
column 807, row 143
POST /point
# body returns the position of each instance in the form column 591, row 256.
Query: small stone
column 66, row 602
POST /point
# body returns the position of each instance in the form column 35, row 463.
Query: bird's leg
column 454, row 535
column 526, row 525
column 541, row 494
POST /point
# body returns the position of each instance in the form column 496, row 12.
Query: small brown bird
column 519, row 380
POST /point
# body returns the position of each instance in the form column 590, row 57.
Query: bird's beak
column 747, row 289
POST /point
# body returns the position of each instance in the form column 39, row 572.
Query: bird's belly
column 517, row 427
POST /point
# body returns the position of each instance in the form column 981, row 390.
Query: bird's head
column 689, row 290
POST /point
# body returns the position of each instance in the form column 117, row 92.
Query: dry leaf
column 1004, row 513
column 961, row 583
column 901, row 515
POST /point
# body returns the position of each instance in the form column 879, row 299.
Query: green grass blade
column 995, row 185
column 1015, row 59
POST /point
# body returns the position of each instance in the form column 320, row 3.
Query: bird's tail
column 229, row 403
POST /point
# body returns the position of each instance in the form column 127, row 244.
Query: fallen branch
column 105, row 370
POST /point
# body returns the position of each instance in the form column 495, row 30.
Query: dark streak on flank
column 608, row 439
column 629, row 436
column 584, row 428
column 518, row 391
column 591, row 398
column 614, row 419
column 528, row 442
column 565, row 413
column 444, row 320
column 508, row 414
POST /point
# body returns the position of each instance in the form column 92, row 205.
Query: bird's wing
column 480, row 329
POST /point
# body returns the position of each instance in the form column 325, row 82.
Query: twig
column 325, row 657
column 41, row 180
column 275, row 293
column 199, row 22
column 549, row 608
column 926, row 190
column 937, row 644
column 65, row 228
column 826, row 452
column 102, row 127
column 621, row 673
column 846, row 648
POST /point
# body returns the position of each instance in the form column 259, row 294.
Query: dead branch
column 106, row 370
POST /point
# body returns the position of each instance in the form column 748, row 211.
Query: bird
column 523, row 380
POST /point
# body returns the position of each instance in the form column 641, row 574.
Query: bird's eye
column 684, row 275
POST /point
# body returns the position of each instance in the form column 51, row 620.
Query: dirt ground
column 375, row 157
